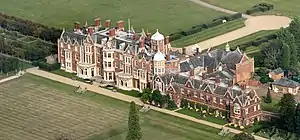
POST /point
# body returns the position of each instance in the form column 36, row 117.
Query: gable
column 189, row 84
column 171, row 88
column 227, row 95
column 244, row 58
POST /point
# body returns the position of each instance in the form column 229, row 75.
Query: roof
column 277, row 71
column 157, row 36
column 159, row 56
column 232, row 58
column 286, row 82
column 74, row 37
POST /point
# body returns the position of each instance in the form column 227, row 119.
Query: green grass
column 285, row 7
column 67, row 74
column 208, row 33
column 132, row 93
column 167, row 15
column 248, row 38
column 271, row 107
column 197, row 115
column 41, row 109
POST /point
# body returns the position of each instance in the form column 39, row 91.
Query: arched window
column 237, row 108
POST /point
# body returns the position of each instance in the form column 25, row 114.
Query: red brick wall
column 74, row 67
column 244, row 70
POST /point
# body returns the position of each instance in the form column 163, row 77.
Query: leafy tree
column 184, row 103
column 134, row 129
column 157, row 97
column 171, row 104
column 271, row 53
column 294, row 53
column 286, row 108
column 286, row 56
column 146, row 95
column 295, row 30
column 297, row 119
column 243, row 136
column 268, row 98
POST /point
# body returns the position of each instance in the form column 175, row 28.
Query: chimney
column 97, row 22
column 120, row 25
column 168, row 58
column 197, row 51
column 183, row 51
column 243, row 86
column 218, row 80
column 192, row 72
column 167, row 40
column 112, row 32
column 230, row 83
column 135, row 36
column 90, row 30
column 107, row 24
column 148, row 35
column 77, row 25
column 142, row 43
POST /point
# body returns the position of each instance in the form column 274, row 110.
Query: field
column 42, row 109
column 208, row 33
column 167, row 15
column 285, row 7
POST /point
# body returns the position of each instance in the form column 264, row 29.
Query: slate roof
column 277, row 71
column 286, row 82
column 232, row 58
column 73, row 37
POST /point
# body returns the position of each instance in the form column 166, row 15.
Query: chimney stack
column 192, row 72
column 90, row 30
column 168, row 58
column 112, row 32
column 77, row 25
column 167, row 40
column 97, row 22
column 218, row 79
column 183, row 51
column 142, row 43
column 197, row 51
column 148, row 35
column 135, row 36
column 107, row 24
column 120, row 25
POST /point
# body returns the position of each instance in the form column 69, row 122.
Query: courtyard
column 42, row 109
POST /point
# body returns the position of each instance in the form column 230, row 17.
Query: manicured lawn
column 197, row 115
column 208, row 33
column 271, row 106
column 41, row 109
column 67, row 74
column 285, row 7
column 167, row 15
column 248, row 38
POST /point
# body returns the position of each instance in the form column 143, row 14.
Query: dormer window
column 237, row 108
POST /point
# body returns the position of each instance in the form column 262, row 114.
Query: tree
column 271, row 53
column 157, row 97
column 134, row 129
column 297, row 119
column 286, row 108
column 294, row 53
column 243, row 136
column 146, row 95
column 268, row 98
column 286, row 56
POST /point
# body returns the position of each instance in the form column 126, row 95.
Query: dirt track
column 253, row 25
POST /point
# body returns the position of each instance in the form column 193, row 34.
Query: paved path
column 9, row 78
column 220, row 9
column 123, row 97
column 253, row 25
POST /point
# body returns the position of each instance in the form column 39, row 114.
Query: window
column 188, row 93
column 85, row 71
column 246, row 111
column 214, row 100
column 143, row 64
column 254, row 108
column 76, row 49
column 109, row 64
column 221, row 101
column 110, row 76
column 121, row 57
column 237, row 108
column 99, row 58
column 255, row 100
column 201, row 96
column 105, row 55
column 258, row 107
column 108, row 55
column 76, row 56
column 182, row 91
column 195, row 94
column 105, row 64
column 138, row 73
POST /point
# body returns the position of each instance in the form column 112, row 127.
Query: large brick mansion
column 135, row 61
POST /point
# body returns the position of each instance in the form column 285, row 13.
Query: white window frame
column 221, row 101
column 237, row 108
column 214, row 100
column 254, row 108
column 258, row 107
column 246, row 111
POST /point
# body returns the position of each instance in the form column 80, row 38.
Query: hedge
column 257, row 42
column 45, row 66
column 262, row 7
column 198, row 28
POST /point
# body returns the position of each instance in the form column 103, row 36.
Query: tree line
column 284, row 51
column 8, row 64
column 29, row 28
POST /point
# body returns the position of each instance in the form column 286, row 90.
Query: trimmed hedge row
column 257, row 42
column 262, row 7
column 45, row 66
column 200, row 27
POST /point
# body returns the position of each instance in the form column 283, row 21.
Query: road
column 252, row 25
column 220, row 9
column 123, row 97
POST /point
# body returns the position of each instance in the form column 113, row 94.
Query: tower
column 159, row 63
column 157, row 42
column 227, row 47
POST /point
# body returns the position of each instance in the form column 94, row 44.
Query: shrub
column 184, row 103
column 200, row 106
column 47, row 67
column 236, row 16
column 175, row 37
column 253, row 10
column 192, row 104
column 262, row 7
column 214, row 23
column 193, row 31
column 172, row 105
